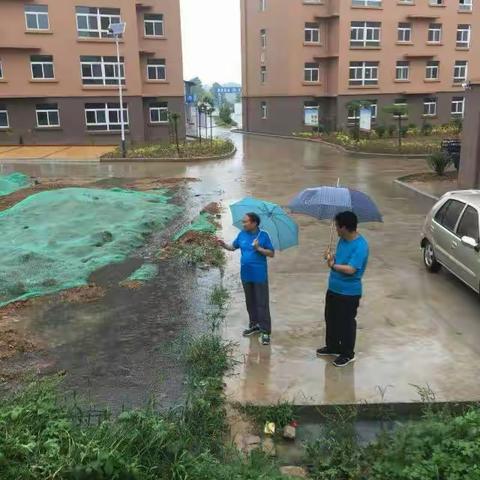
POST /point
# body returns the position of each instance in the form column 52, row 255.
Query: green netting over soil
column 13, row 182
column 146, row 272
column 202, row 224
column 54, row 240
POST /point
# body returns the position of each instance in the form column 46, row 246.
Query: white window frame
column 404, row 104
column 463, row 36
column 102, row 33
column 366, row 3
column 356, row 113
column 430, row 107
column 264, row 109
column 262, row 5
column 36, row 15
column 362, row 31
column 368, row 74
column 430, row 69
column 1, row 69
column 263, row 38
column 42, row 64
column 107, row 109
column 403, row 32
column 313, row 32
column 435, row 32
column 263, row 74
column 159, row 70
column 436, row 3
column 465, row 5
column 48, row 111
column 4, row 111
column 460, row 71
column 454, row 110
column 154, row 23
column 159, row 110
column 310, row 72
column 402, row 72
column 104, row 64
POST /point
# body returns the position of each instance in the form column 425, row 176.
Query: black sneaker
column 251, row 331
column 325, row 351
column 265, row 339
column 343, row 361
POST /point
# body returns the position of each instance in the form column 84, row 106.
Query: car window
column 448, row 214
column 468, row 226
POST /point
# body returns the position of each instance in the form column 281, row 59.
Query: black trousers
column 340, row 317
column 258, row 305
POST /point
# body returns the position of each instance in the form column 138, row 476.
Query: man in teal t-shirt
column 347, row 267
column 256, row 246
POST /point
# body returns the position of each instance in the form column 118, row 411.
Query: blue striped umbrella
column 324, row 203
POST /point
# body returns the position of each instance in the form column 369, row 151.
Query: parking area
column 54, row 152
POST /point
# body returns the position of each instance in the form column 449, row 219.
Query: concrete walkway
column 58, row 152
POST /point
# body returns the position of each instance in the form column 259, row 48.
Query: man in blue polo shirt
column 256, row 246
column 347, row 267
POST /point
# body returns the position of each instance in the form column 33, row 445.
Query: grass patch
column 281, row 414
column 190, row 149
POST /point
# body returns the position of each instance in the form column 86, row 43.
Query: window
column 404, row 32
column 460, row 70
column 436, row 3
column 435, row 33
column 465, row 5
column 158, row 112
column 42, row 67
column 153, row 25
column 101, row 70
column 1, row 70
column 94, row 22
column 402, row 70
column 312, row 33
column 448, row 214
column 430, row 107
column 402, row 103
column 4, row 117
column 262, row 5
column 363, row 73
column 36, row 17
column 406, row 2
column 354, row 113
column 432, row 70
column 263, row 38
column 366, row 3
column 48, row 115
column 463, row 36
column 365, row 34
column 156, row 69
column 458, row 107
column 263, row 74
column 264, row 110
column 468, row 226
column 312, row 72
column 105, row 116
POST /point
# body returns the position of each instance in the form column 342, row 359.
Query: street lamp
column 117, row 30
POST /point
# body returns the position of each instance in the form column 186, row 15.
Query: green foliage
column 391, row 129
column 403, row 131
column 225, row 114
column 397, row 110
column 190, row 149
column 426, row 129
column 439, row 162
column 381, row 130
column 281, row 414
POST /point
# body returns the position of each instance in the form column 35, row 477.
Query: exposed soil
column 132, row 284
column 213, row 208
column 88, row 293
column 431, row 177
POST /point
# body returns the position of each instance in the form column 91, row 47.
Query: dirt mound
column 86, row 294
column 212, row 208
column 13, row 342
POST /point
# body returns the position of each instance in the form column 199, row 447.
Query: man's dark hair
column 348, row 220
column 254, row 218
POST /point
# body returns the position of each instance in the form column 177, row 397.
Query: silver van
column 451, row 236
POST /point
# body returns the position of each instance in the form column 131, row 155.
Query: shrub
column 225, row 114
column 439, row 162
column 426, row 129
column 391, row 129
column 381, row 130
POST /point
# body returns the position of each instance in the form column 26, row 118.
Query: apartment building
column 59, row 72
column 303, row 55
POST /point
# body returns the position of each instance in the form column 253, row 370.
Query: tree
column 218, row 98
column 399, row 111
column 225, row 114
column 174, row 118
column 356, row 106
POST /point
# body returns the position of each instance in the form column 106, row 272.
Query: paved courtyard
column 414, row 328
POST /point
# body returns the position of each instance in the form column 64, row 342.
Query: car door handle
column 454, row 245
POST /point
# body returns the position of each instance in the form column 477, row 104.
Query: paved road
column 414, row 328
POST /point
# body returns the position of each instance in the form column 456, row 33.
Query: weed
column 219, row 297
column 281, row 414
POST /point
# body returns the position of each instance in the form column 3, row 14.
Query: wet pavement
column 414, row 328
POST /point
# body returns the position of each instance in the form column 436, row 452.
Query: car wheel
column 429, row 258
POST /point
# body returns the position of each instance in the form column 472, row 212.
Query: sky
column 211, row 40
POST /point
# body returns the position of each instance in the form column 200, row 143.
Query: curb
column 416, row 190
column 171, row 160
column 338, row 147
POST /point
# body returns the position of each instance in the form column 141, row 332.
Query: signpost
column 365, row 119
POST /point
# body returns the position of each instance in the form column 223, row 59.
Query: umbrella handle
column 331, row 237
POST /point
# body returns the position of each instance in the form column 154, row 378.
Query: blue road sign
column 220, row 90
column 190, row 98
